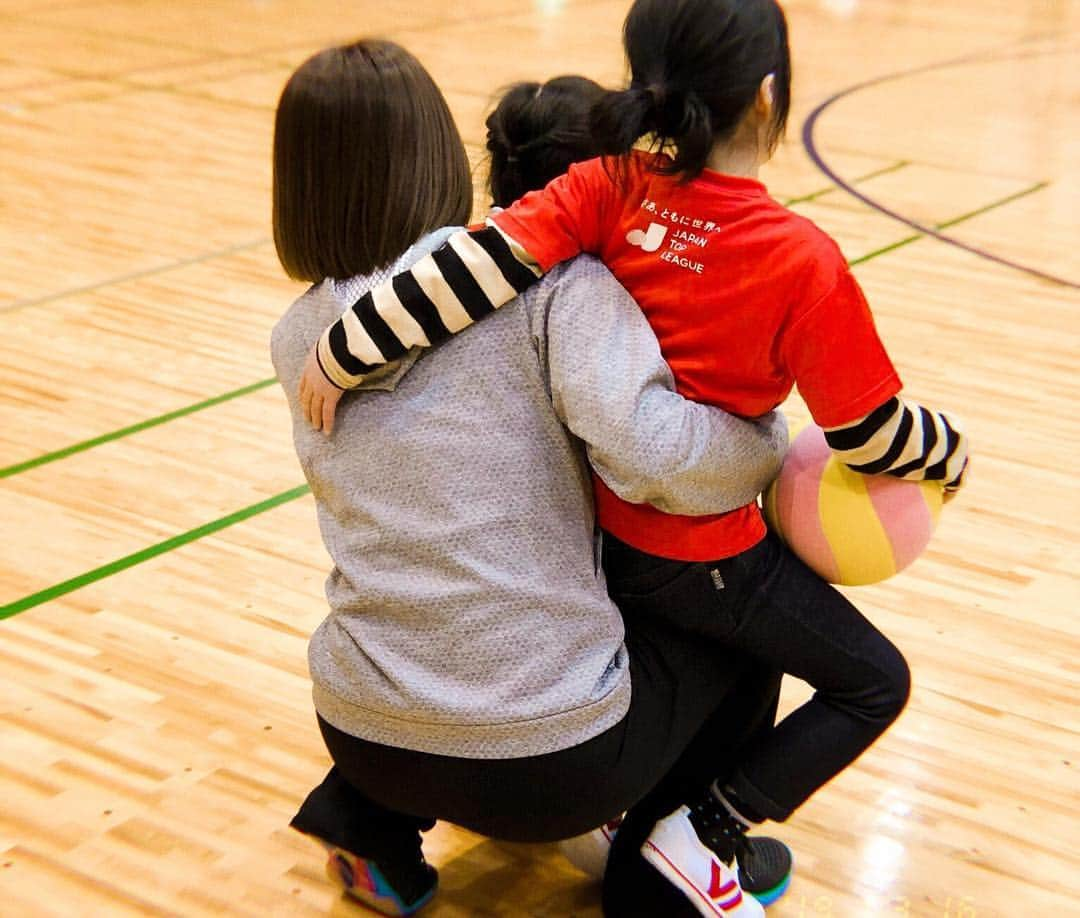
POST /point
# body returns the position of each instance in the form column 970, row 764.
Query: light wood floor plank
column 156, row 731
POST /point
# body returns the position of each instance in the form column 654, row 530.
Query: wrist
column 322, row 364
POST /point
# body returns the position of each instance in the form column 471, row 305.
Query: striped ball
column 850, row 528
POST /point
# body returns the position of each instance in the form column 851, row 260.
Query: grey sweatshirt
column 468, row 614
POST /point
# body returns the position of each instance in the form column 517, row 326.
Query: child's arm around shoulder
column 475, row 272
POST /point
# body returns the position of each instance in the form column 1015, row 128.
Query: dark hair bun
column 536, row 132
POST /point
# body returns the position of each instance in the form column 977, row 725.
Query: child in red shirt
column 746, row 299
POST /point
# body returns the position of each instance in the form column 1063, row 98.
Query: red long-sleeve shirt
column 746, row 298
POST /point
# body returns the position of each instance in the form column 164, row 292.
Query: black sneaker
column 390, row 888
column 764, row 863
column 765, row 866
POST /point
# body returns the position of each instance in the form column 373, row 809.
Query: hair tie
column 655, row 93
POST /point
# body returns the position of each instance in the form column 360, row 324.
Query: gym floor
column 160, row 566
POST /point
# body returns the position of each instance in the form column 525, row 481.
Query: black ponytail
column 696, row 67
column 621, row 117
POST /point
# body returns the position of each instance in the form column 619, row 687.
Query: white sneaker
column 712, row 886
column 589, row 852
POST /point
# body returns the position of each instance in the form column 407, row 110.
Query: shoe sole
column 377, row 894
column 769, row 896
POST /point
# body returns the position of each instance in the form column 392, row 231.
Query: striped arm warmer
column 472, row 274
column 905, row 440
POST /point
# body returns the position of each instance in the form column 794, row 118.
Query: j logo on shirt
column 650, row 240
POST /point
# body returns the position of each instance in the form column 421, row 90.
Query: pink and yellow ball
column 852, row 529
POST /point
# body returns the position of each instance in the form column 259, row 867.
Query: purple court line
column 812, row 151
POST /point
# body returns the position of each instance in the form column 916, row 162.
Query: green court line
column 814, row 195
column 885, row 249
column 75, row 583
column 231, row 250
column 982, row 210
column 915, row 237
column 136, row 275
column 46, row 458
column 114, row 567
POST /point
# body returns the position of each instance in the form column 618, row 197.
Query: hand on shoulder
column 318, row 396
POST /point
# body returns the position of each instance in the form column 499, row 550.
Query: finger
column 305, row 399
column 315, row 411
column 329, row 406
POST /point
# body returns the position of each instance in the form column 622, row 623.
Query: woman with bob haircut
column 472, row 667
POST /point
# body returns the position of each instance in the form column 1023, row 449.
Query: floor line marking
column 812, row 151
column 814, row 195
column 138, row 557
column 137, row 275
column 953, row 222
column 84, row 445
column 68, row 586
column 71, row 450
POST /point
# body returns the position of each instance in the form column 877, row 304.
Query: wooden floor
column 160, row 571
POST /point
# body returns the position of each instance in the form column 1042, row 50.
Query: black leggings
column 694, row 709
column 767, row 604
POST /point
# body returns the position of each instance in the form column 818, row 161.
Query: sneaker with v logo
column 711, row 885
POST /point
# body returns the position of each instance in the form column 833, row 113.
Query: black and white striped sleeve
column 472, row 274
column 905, row 440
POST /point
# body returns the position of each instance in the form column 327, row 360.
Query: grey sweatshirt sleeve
column 610, row 385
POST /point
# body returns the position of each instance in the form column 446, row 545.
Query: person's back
column 472, row 668
column 721, row 270
column 465, row 569
column 745, row 298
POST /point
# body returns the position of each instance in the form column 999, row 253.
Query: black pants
column 767, row 604
column 695, row 708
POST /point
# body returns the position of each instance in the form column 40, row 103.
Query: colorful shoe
column 765, row 866
column 589, row 852
column 711, row 885
column 388, row 888
column 764, row 863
